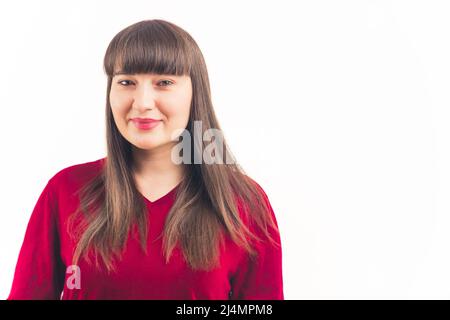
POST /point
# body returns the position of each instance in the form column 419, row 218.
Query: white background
column 339, row 109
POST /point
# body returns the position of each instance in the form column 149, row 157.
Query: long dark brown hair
column 212, row 199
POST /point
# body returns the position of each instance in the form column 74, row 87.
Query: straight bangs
column 148, row 49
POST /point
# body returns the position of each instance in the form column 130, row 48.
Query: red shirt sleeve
column 260, row 278
column 39, row 272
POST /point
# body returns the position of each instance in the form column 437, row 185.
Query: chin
column 148, row 145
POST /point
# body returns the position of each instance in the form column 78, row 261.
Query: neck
column 155, row 167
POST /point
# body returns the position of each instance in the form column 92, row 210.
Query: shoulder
column 259, row 188
column 255, row 204
column 80, row 170
column 260, row 193
column 259, row 217
column 76, row 175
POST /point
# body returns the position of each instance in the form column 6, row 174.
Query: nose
column 145, row 97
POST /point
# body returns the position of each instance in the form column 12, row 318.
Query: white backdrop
column 339, row 109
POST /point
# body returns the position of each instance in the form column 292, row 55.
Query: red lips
column 145, row 123
column 145, row 120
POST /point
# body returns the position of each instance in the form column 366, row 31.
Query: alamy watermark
column 73, row 281
column 213, row 152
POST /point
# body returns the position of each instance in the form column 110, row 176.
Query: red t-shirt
column 44, row 269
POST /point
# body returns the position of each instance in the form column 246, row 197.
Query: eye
column 120, row 82
column 125, row 83
column 166, row 81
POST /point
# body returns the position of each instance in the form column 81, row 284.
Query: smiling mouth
column 144, row 119
column 146, row 124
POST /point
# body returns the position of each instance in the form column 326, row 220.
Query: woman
column 140, row 223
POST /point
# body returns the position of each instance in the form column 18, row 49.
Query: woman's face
column 166, row 98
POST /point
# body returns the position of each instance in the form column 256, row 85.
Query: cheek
column 178, row 108
column 116, row 100
column 119, row 105
column 178, row 117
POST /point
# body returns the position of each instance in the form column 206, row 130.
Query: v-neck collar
column 163, row 198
